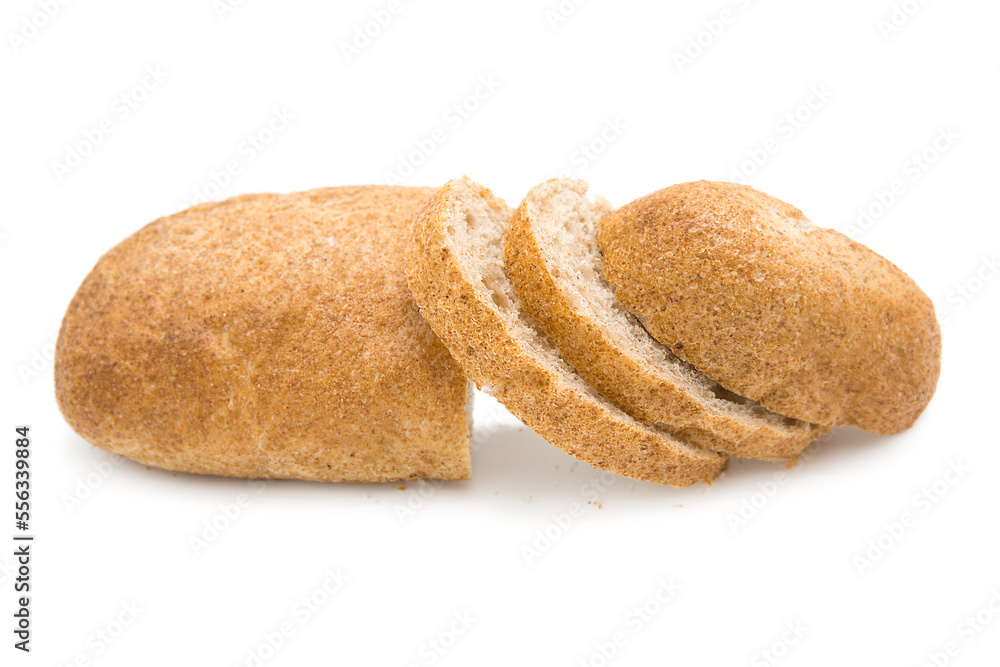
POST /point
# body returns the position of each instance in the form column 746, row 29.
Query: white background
column 885, row 97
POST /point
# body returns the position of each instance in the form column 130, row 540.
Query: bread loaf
column 266, row 336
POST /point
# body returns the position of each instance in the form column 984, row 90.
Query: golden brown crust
column 494, row 357
column 266, row 336
column 645, row 392
column 805, row 320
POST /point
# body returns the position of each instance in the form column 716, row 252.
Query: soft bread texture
column 555, row 266
column 457, row 275
column 803, row 319
column 266, row 336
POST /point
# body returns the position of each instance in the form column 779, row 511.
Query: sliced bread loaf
column 555, row 265
column 456, row 273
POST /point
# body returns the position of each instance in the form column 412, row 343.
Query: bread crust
column 803, row 319
column 266, row 336
column 643, row 391
column 495, row 359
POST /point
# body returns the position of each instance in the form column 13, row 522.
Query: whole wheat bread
column 803, row 319
column 266, row 336
column 456, row 274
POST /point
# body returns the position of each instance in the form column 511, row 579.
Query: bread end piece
column 803, row 319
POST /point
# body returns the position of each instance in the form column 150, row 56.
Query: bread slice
column 456, row 273
column 555, row 265
column 266, row 336
column 803, row 319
